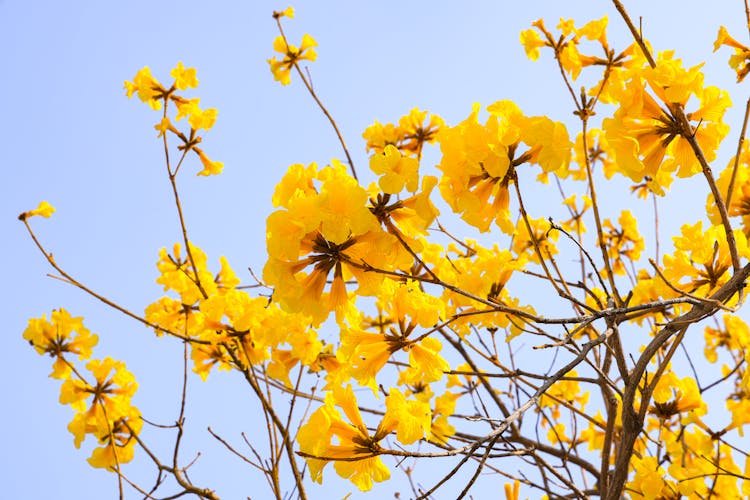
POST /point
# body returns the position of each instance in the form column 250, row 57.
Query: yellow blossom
column 62, row 334
column 410, row 419
column 425, row 364
column 531, row 42
column 202, row 119
column 673, row 396
column 415, row 133
column 396, row 171
column 292, row 55
column 741, row 58
column 479, row 162
column 408, row 136
column 288, row 12
column 147, row 87
column 184, row 78
column 646, row 135
column 624, row 242
column 649, row 477
column 210, row 167
column 511, row 492
column 567, row 390
column 354, row 441
column 701, row 261
column 734, row 336
column 44, row 209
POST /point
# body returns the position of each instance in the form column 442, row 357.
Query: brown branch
column 632, row 422
column 71, row 280
column 736, row 163
column 635, row 32
column 317, row 100
column 278, row 423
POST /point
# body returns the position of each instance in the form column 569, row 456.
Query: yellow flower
column 378, row 136
column 739, row 205
column 575, row 223
column 299, row 291
column 297, row 182
column 546, row 240
column 109, row 415
column 354, row 442
column 484, row 272
column 406, row 299
column 288, row 12
column 479, row 161
column 557, row 434
column 734, row 336
column 673, row 396
column 178, row 273
column 531, row 43
column 163, row 125
column 565, row 45
column 63, row 334
column 342, row 205
column 326, row 230
column 292, row 55
column 425, row 364
column 738, row 404
column 411, row 419
column 409, row 136
column 112, row 392
column 549, row 142
column 184, row 78
column 118, row 444
column 210, row 167
column 402, row 307
column 567, row 391
column 408, row 219
column 147, row 87
column 624, row 242
column 649, row 477
column 205, row 357
column 511, row 492
column 415, row 133
column 596, row 154
column 647, row 138
column 475, row 166
column 186, row 107
column 204, row 119
column 594, row 434
column 396, row 171
column 701, row 260
column 741, row 58
column 368, row 352
column 595, row 30
column 441, row 429
column 282, row 362
column 44, row 209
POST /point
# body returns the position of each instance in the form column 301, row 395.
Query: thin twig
column 310, row 89
column 69, row 279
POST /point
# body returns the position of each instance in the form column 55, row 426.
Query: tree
column 364, row 288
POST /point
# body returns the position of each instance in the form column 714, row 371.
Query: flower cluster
column 479, row 161
column 409, row 330
column 149, row 90
column 651, row 135
column 102, row 400
column 228, row 327
column 409, row 135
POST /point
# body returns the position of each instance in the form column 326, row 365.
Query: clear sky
column 70, row 136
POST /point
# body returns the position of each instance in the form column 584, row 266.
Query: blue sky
column 69, row 136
